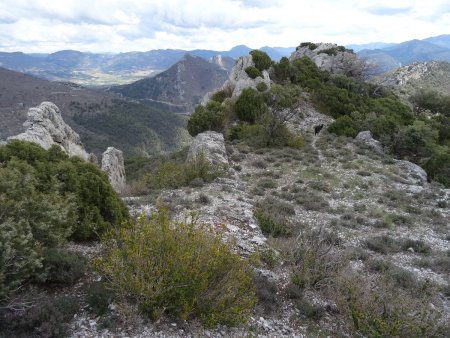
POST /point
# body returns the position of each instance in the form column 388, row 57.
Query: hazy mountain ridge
column 391, row 56
column 106, row 69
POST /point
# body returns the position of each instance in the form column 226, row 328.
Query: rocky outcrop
column 406, row 74
column 367, row 138
column 112, row 164
column 414, row 172
column 331, row 58
column 211, row 145
column 239, row 79
column 46, row 127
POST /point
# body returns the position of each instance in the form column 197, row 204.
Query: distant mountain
column 405, row 53
column 92, row 69
column 441, row 40
column 183, row 85
column 101, row 119
column 276, row 53
column 379, row 57
column 372, row 45
column 417, row 50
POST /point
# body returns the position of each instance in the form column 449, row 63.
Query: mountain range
column 392, row 56
column 105, row 69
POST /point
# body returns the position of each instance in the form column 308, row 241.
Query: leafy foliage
column 250, row 105
column 261, row 59
column 211, row 117
column 179, row 268
column 46, row 198
column 253, row 72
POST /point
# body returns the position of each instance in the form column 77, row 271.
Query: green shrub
column 253, row 72
column 66, row 181
column 47, row 198
column 209, row 117
column 310, row 45
column 62, row 266
column 185, row 270
column 438, row 167
column 261, row 87
column 343, row 125
column 98, row 297
column 249, row 106
column 220, row 96
column 261, row 59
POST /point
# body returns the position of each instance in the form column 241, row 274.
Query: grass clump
column 272, row 216
column 377, row 307
column 183, row 269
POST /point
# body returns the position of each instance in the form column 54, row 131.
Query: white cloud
column 123, row 25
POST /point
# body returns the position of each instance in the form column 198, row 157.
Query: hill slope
column 101, row 119
column 184, row 84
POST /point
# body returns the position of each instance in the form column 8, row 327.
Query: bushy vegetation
column 46, row 319
column 46, row 199
column 209, row 117
column 253, row 72
column 310, row 45
column 261, row 59
column 250, row 105
column 179, row 268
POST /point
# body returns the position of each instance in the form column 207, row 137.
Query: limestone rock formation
column 46, row 127
column 416, row 173
column 112, row 164
column 212, row 145
column 330, row 57
column 367, row 138
column 239, row 79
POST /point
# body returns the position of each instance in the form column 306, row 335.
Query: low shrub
column 62, row 266
column 250, row 105
column 99, row 297
column 266, row 291
column 209, row 117
column 376, row 307
column 46, row 319
column 185, row 270
column 261, row 59
column 313, row 261
column 253, row 72
column 261, row 87
column 173, row 174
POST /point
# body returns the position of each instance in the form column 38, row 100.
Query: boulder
column 367, row 138
column 416, row 173
column 211, row 145
column 112, row 164
column 46, row 127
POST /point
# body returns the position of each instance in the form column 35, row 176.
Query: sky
column 45, row 26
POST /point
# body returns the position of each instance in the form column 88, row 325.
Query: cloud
column 384, row 10
column 123, row 25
